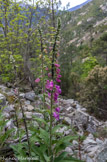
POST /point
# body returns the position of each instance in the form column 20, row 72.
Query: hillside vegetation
column 83, row 45
column 53, row 82
column 83, row 48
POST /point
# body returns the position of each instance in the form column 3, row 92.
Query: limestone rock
column 27, row 102
column 81, row 117
column 9, row 125
column 69, row 150
column 62, row 130
column 67, row 120
column 30, row 108
column 22, row 95
column 102, row 153
column 38, row 115
column 28, row 115
column 6, row 115
column 30, row 96
column 9, row 108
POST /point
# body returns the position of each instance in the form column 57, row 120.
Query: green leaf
column 45, row 136
column 61, row 157
column 40, row 120
column 40, row 151
column 64, row 141
column 56, row 128
column 64, row 157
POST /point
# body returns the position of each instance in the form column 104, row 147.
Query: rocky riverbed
column 92, row 147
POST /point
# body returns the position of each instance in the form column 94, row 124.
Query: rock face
column 92, row 149
column 2, row 100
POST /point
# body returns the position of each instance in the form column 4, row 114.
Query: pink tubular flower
column 58, row 80
column 57, row 71
column 59, row 76
column 47, row 68
column 57, row 65
column 37, row 80
column 58, row 89
column 51, row 85
column 55, row 96
column 57, row 109
column 56, row 116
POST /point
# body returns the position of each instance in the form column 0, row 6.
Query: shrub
column 94, row 92
column 88, row 64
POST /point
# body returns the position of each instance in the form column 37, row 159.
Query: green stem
column 51, row 153
column 51, row 112
column 26, row 128
column 43, row 83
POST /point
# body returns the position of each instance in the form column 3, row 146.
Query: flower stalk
column 53, row 69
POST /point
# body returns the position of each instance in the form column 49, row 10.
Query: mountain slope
column 79, row 6
column 84, row 37
column 88, row 21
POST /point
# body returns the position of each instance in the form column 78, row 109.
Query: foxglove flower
column 58, row 80
column 55, row 96
column 37, row 80
column 57, row 65
column 56, row 115
column 57, row 109
column 57, row 71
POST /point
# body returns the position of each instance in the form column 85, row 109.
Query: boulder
column 81, row 117
column 22, row 95
column 30, row 108
column 27, row 102
column 30, row 96
column 69, row 150
column 102, row 153
column 6, row 115
column 28, row 115
column 67, row 121
column 9, row 108
column 38, row 115
column 10, row 125
column 91, row 128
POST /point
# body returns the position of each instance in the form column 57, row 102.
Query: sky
column 65, row 2
column 72, row 2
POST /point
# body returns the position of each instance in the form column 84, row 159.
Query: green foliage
column 88, row 64
column 40, row 143
column 94, row 92
column 4, row 135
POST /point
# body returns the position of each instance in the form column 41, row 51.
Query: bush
column 94, row 92
column 88, row 64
